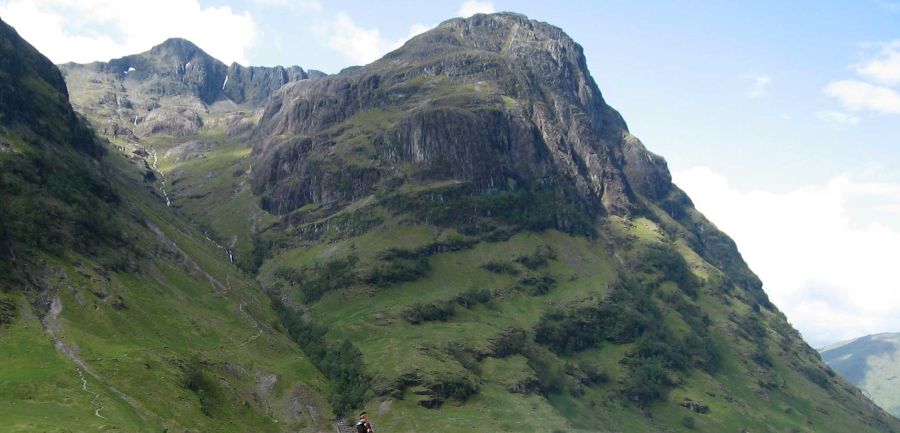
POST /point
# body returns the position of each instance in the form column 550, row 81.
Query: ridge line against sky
column 781, row 121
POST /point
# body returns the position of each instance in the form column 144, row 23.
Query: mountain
column 116, row 313
column 459, row 237
column 873, row 364
column 169, row 89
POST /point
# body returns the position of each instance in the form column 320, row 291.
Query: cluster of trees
column 631, row 315
column 197, row 380
column 501, row 267
column 341, row 363
column 537, row 285
column 444, row 310
column 315, row 281
column 539, row 258
column 400, row 265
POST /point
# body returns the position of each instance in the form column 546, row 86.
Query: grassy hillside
column 449, row 324
column 115, row 313
column 439, row 304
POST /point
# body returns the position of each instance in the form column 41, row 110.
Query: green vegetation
column 531, row 206
column 341, row 363
column 443, row 305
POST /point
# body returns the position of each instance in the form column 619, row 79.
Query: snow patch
column 130, row 69
column 187, row 65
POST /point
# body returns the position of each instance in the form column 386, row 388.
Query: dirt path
column 253, row 321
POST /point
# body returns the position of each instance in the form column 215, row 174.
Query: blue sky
column 781, row 120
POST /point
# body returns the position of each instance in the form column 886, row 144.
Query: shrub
column 509, row 342
column 671, row 265
column 646, row 383
column 472, row 297
column 538, row 258
column 500, row 267
column 321, row 278
column 537, row 286
column 422, row 312
column 197, row 380
column 400, row 266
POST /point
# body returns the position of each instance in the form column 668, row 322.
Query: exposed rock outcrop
column 495, row 100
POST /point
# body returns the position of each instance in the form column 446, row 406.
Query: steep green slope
column 463, row 236
column 871, row 363
column 116, row 314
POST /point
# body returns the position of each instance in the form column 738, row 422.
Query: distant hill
column 873, row 364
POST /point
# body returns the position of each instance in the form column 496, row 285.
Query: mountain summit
column 169, row 89
column 494, row 100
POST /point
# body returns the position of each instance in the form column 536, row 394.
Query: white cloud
column 417, row 29
column 70, row 30
column 473, row 7
column 356, row 43
column 826, row 253
column 760, row 82
column 310, row 5
column 862, row 94
column 885, row 68
column 359, row 44
column 838, row 119
column 858, row 95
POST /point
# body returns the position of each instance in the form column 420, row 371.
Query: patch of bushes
column 342, row 363
column 465, row 356
column 817, row 375
column 197, row 380
column 510, row 342
column 259, row 251
column 615, row 319
column 315, row 281
column 630, row 315
column 539, row 258
column 455, row 386
column 400, row 265
column 473, row 297
column 500, row 267
column 671, row 266
column 646, row 383
column 537, row 285
column 7, row 312
column 429, row 312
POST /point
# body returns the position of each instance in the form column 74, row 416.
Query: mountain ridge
column 870, row 362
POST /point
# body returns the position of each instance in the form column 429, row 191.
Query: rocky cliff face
column 170, row 89
column 496, row 100
column 178, row 67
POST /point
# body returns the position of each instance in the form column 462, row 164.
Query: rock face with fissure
column 494, row 100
